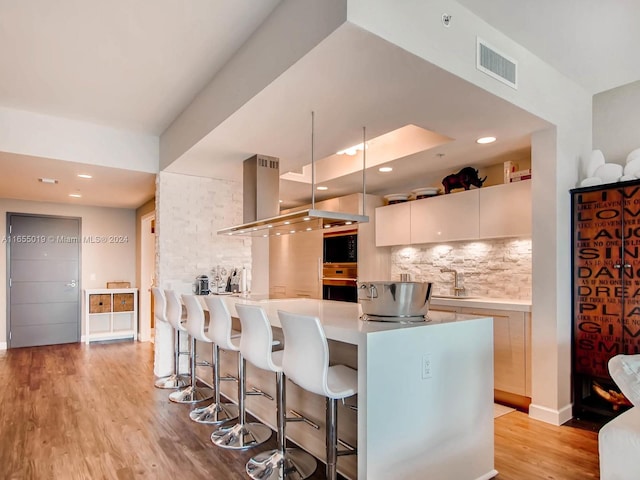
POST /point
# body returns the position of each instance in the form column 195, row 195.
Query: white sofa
column 619, row 440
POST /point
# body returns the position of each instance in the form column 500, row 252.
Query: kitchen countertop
column 481, row 302
column 340, row 320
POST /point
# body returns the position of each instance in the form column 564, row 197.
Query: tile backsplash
column 190, row 210
column 499, row 268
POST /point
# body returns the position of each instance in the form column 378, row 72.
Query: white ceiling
column 131, row 65
column 366, row 81
column 137, row 65
column 593, row 42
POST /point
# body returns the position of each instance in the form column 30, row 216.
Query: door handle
column 72, row 284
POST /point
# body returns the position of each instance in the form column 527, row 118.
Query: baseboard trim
column 550, row 415
column 3, row 345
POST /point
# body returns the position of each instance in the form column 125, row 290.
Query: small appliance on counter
column 201, row 286
column 394, row 301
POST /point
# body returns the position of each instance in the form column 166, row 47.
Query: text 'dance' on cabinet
column 606, row 290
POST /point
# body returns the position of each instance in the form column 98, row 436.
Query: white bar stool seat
column 195, row 328
column 167, row 308
column 306, row 363
column 242, row 435
column 256, row 347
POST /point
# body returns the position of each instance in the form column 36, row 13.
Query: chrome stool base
column 239, row 437
column 296, row 464
column 192, row 394
column 215, row 413
column 173, row 381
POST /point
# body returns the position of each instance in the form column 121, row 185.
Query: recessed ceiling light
column 486, row 140
column 321, row 187
column 84, row 175
column 287, row 222
column 279, row 201
column 385, row 169
column 309, row 229
column 348, row 223
column 306, row 219
column 75, row 195
column 351, row 150
column 52, row 181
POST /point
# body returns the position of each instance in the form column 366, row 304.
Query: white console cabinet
column 110, row 313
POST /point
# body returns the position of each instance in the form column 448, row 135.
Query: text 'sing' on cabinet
column 111, row 314
column 606, row 292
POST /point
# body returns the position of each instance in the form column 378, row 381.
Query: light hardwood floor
column 91, row 412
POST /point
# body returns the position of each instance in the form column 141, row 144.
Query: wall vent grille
column 496, row 65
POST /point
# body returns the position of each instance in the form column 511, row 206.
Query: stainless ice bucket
column 394, row 299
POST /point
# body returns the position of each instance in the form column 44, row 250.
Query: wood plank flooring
column 91, row 412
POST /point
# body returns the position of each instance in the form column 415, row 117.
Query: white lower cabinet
column 511, row 348
column 110, row 314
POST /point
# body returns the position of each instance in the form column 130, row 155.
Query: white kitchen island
column 425, row 392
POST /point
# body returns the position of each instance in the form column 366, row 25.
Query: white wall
column 616, row 120
column 39, row 135
column 189, row 212
column 499, row 268
column 543, row 91
column 100, row 262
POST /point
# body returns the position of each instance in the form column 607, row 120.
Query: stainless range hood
column 261, row 207
column 300, row 221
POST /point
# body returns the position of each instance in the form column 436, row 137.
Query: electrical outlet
column 427, row 366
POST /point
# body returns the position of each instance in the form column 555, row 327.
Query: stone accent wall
column 189, row 212
column 499, row 268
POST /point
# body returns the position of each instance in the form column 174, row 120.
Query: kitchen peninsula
column 425, row 392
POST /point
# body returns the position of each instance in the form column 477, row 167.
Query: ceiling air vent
column 497, row 65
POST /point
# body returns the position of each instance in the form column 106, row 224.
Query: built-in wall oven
column 339, row 282
column 340, row 267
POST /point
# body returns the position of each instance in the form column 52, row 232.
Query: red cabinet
column 606, row 289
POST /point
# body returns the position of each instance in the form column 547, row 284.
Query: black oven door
column 340, row 290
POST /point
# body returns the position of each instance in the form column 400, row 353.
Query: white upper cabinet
column 393, row 224
column 489, row 212
column 446, row 217
column 505, row 210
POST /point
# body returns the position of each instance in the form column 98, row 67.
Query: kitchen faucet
column 458, row 291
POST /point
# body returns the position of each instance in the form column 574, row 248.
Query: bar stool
column 306, row 363
column 242, row 435
column 160, row 315
column 256, row 347
column 195, row 328
column 221, row 334
column 169, row 303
